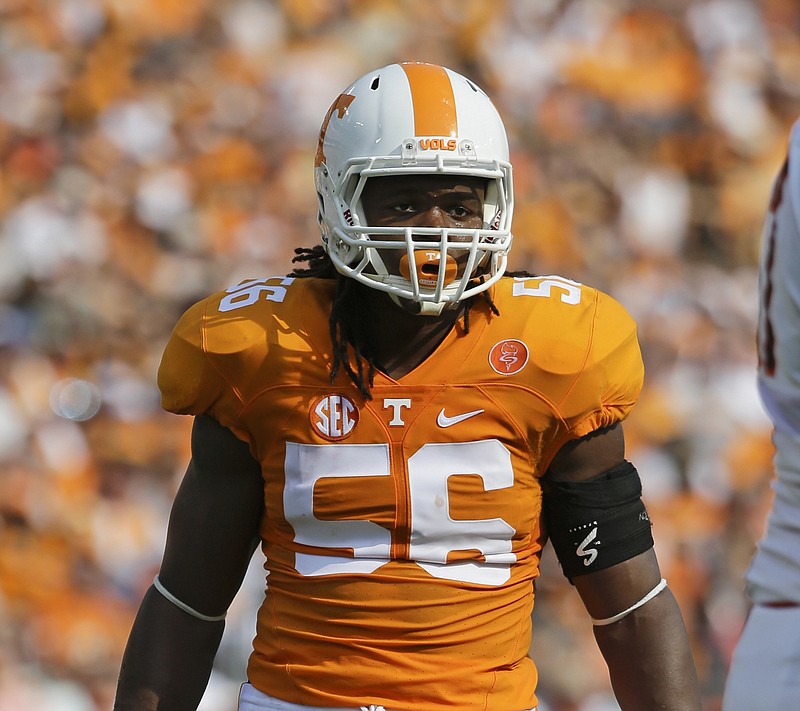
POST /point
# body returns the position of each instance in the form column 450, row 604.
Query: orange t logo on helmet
column 340, row 106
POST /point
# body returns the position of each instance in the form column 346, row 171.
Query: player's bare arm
column 171, row 649
column 637, row 623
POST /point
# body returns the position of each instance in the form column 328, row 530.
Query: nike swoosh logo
column 444, row 421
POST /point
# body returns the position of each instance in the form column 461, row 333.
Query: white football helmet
column 414, row 118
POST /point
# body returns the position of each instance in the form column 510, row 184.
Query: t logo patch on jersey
column 334, row 416
column 509, row 356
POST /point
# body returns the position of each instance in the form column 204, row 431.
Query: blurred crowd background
column 154, row 151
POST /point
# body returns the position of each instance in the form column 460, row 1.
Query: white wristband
column 183, row 606
column 616, row 618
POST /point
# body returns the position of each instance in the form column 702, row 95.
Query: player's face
column 441, row 201
column 424, row 201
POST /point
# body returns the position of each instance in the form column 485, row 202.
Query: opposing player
column 765, row 673
column 401, row 426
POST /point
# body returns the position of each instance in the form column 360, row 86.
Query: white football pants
column 764, row 671
column 251, row 699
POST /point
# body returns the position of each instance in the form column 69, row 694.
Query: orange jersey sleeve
column 402, row 533
column 585, row 352
column 232, row 346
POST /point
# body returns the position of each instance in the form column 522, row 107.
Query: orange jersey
column 402, row 534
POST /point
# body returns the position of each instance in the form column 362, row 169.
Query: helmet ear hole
column 492, row 205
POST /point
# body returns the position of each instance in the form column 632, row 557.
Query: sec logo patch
column 334, row 416
column 509, row 356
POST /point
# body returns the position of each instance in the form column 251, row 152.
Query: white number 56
column 434, row 533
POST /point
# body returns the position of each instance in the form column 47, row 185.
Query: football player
column 768, row 651
column 401, row 426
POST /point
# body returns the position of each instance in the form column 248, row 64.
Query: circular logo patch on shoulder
column 509, row 356
column 333, row 416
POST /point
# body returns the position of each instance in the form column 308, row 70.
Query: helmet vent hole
column 375, row 82
column 429, row 269
column 472, row 86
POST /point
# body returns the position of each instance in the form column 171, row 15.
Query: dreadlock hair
column 346, row 324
